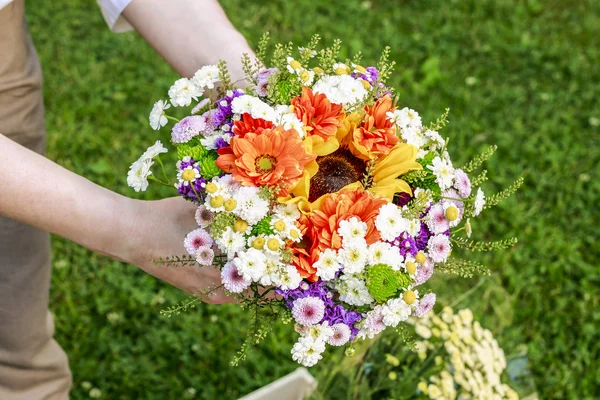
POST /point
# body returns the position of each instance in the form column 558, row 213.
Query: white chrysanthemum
column 308, row 310
column 413, row 227
column 341, row 335
column 353, row 256
column 273, row 271
column 327, row 265
column 287, row 211
column 385, row 253
column 436, row 139
column 290, row 121
column 157, row 116
column 352, row 229
column 232, row 280
column 372, row 323
column 206, row 77
column 183, row 91
column 250, row 207
column 242, row 104
column 228, row 184
column 436, row 219
column 479, row 202
column 354, row 291
column 340, row 89
column 263, row 110
column 196, row 239
column 154, row 150
column 438, row 248
column 443, row 171
column 307, row 351
column 251, row 264
column 320, row 331
column 415, row 137
column 406, row 118
column 231, row 242
column 290, row 279
column 390, row 222
column 138, row 174
column 395, row 311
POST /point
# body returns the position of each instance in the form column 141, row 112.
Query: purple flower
column 425, row 305
column 423, row 237
column 223, row 112
column 262, row 81
column 406, row 244
column 187, row 128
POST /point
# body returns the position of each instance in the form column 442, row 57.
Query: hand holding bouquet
column 312, row 183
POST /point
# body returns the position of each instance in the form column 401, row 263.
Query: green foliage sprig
column 306, row 54
column 479, row 179
column 439, row 123
column 384, row 66
column 329, row 56
column 255, row 338
column 224, row 77
column 506, row 193
column 407, row 337
column 480, row 159
column 175, row 261
column 182, row 306
column 261, row 50
column 473, row 245
column 367, row 181
column 250, row 69
column 460, row 267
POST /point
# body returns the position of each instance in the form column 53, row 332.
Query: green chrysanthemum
column 263, row 227
column 221, row 222
column 193, row 149
column 208, row 167
column 383, row 282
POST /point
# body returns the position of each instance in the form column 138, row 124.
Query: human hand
column 158, row 230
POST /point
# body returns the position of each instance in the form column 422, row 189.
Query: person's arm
column 38, row 192
column 189, row 33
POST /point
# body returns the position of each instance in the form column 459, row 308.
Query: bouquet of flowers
column 321, row 201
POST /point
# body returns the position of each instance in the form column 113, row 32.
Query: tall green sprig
column 480, row 159
column 506, row 193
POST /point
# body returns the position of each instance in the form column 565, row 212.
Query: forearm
column 189, row 33
column 40, row 193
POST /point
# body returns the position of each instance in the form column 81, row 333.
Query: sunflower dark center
column 336, row 170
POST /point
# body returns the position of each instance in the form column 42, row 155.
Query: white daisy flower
column 157, row 116
column 340, row 89
column 250, row 207
column 138, row 174
column 154, row 150
column 354, row 291
column 231, row 242
column 443, row 172
column 390, row 222
column 307, row 351
column 395, row 311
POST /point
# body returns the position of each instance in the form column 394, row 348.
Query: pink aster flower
column 205, row 255
column 204, row 216
column 425, row 305
column 232, row 280
column 341, row 335
column 196, row 239
column 187, row 128
column 308, row 310
column 424, row 272
column 436, row 219
column 462, row 183
column 439, row 248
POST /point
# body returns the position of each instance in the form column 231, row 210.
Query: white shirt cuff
column 112, row 10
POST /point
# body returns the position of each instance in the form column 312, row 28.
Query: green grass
column 521, row 74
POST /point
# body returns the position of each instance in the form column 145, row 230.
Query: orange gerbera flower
column 275, row 157
column 376, row 136
column 320, row 117
column 302, row 257
column 248, row 124
column 340, row 206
